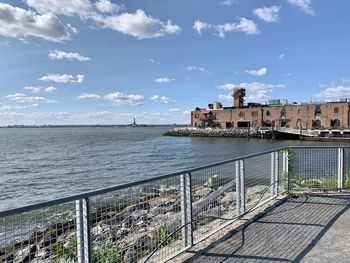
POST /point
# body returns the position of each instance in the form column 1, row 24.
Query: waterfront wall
column 230, row 133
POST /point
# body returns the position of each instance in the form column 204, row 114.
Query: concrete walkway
column 314, row 228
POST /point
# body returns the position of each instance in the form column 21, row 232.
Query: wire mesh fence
column 213, row 197
column 259, row 174
column 127, row 225
column 156, row 219
column 315, row 168
column 42, row 235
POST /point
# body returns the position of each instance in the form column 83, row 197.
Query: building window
column 299, row 111
column 335, row 123
column 196, row 116
column 336, row 110
column 316, row 124
column 241, row 114
column 229, row 125
column 318, row 110
column 267, row 123
column 283, row 113
column 268, row 113
column 254, row 113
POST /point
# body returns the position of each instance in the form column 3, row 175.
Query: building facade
column 330, row 115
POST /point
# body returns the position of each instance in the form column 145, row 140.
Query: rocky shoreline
column 228, row 133
column 128, row 231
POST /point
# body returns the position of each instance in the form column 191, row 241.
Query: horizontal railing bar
column 90, row 194
column 317, row 146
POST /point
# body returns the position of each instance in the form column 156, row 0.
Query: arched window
column 241, row 114
column 336, row 110
column 298, row 124
column 299, row 111
column 268, row 113
column 316, row 124
column 335, row 123
column 254, row 113
column 267, row 124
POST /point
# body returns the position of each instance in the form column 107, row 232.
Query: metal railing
column 155, row 219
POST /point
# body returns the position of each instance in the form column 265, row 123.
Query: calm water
column 43, row 164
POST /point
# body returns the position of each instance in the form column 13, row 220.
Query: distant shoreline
column 95, row 126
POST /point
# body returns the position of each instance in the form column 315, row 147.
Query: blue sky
column 105, row 61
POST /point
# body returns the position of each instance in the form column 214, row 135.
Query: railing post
column 242, row 182
column 80, row 230
column 82, row 208
column 87, row 230
column 276, row 185
column 285, row 169
column 274, row 173
column 186, row 210
column 340, row 168
column 238, row 189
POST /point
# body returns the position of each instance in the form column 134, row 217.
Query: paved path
column 305, row 229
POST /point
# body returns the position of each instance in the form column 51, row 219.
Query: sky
column 107, row 61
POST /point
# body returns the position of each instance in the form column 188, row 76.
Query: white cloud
column 303, row 5
column 82, row 8
column 99, row 114
column 106, row 6
column 35, row 89
column 334, row 91
column 268, row 14
column 163, row 80
column 88, row 96
column 245, row 25
column 16, row 107
column 195, row 68
column 256, row 91
column 199, row 26
column 138, row 25
column 18, row 23
column 174, row 110
column 50, row 89
column 162, row 99
column 60, row 55
column 22, row 98
column 226, row 86
column 257, row 72
column 63, row 78
column 120, row 99
column 154, row 61
column 281, row 56
column 228, row 2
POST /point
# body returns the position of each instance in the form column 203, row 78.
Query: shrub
column 107, row 252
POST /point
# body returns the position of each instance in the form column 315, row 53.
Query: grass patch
column 107, row 252
column 162, row 234
column 68, row 253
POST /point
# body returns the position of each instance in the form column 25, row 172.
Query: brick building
column 330, row 115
